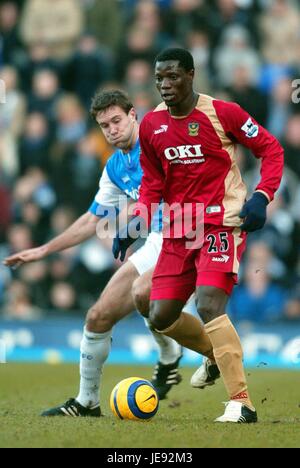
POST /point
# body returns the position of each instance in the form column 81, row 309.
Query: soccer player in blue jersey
column 131, row 284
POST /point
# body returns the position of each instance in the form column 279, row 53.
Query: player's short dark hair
column 108, row 98
column 183, row 56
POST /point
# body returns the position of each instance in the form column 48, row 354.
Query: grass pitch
column 183, row 421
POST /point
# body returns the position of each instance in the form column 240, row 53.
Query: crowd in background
column 55, row 54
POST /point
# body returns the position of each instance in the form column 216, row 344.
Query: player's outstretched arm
column 82, row 229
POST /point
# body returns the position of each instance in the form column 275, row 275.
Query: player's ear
column 191, row 73
column 132, row 114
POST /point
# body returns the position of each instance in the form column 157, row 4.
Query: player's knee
column 141, row 296
column 160, row 319
column 98, row 320
column 208, row 304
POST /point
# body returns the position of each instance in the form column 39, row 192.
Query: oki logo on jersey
column 250, row 129
column 184, row 152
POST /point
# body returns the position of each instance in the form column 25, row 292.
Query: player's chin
column 170, row 102
column 119, row 144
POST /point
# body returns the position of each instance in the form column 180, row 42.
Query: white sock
column 169, row 350
column 94, row 350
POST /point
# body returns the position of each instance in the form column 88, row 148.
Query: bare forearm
column 83, row 228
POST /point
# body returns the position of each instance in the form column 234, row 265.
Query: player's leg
column 167, row 317
column 217, row 266
column 114, row 303
column 169, row 355
column 173, row 283
column 207, row 374
column 170, row 352
column 141, row 295
column 228, row 352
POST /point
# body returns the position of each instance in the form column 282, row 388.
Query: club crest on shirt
column 193, row 128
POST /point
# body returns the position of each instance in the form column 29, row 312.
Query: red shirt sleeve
column 153, row 176
column 239, row 126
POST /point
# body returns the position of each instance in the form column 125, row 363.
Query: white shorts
column 146, row 257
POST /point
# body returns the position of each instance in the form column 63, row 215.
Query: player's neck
column 186, row 106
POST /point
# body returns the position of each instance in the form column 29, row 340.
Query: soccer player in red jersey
column 189, row 156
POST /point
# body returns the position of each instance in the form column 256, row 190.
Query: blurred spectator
column 37, row 59
column 147, row 16
column 138, row 79
column 76, row 178
column 280, row 232
column 10, row 43
column 35, row 143
column 280, row 107
column 63, row 297
column 184, row 16
column 235, row 52
column 88, row 69
column 291, row 144
column 34, row 186
column 12, row 116
column 280, row 25
column 144, row 101
column 104, row 20
column 18, row 304
column 54, row 23
column 61, row 218
column 45, row 94
column 5, row 279
column 71, row 120
column 5, row 210
column 19, row 238
column 197, row 41
column 292, row 309
column 12, row 113
column 258, row 299
column 226, row 13
column 36, row 219
column 35, row 277
column 139, row 45
column 245, row 93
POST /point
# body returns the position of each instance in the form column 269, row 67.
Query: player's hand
column 127, row 236
column 26, row 256
column 254, row 212
column 120, row 246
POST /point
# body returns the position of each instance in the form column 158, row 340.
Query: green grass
column 184, row 420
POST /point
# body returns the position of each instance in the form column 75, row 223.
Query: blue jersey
column 122, row 177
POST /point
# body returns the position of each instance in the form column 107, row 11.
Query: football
column 134, row 398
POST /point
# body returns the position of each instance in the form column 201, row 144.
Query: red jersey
column 192, row 159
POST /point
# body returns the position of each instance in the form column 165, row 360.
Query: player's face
column 174, row 84
column 117, row 126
